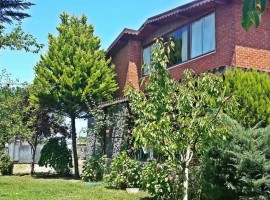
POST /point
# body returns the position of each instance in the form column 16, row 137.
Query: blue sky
column 109, row 18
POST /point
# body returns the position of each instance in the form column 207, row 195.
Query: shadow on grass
column 44, row 175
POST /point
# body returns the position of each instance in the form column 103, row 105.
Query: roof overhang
column 156, row 21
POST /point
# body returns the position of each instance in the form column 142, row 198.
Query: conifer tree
column 13, row 10
column 74, row 73
column 252, row 90
column 238, row 168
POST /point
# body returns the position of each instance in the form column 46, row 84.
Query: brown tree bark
column 74, row 147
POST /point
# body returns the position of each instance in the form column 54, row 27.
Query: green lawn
column 25, row 187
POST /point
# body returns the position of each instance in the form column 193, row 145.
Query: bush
column 125, row 172
column 238, row 168
column 162, row 180
column 252, row 91
column 94, row 168
column 55, row 154
column 6, row 164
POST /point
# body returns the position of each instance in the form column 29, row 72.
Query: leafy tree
column 11, row 112
column 177, row 119
column 238, row 168
column 252, row 11
column 42, row 124
column 55, row 154
column 252, row 90
column 74, row 73
column 13, row 10
column 17, row 39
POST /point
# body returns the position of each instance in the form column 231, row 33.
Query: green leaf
column 263, row 5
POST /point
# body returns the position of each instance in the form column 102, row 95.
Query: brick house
column 211, row 35
column 208, row 36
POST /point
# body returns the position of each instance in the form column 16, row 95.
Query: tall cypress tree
column 74, row 73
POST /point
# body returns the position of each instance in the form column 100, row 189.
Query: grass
column 26, row 187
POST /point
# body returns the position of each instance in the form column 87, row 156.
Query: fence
column 20, row 152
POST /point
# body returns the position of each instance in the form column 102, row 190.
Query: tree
column 74, row 73
column 177, row 119
column 252, row 11
column 239, row 167
column 42, row 125
column 11, row 112
column 56, row 154
column 252, row 91
column 13, row 10
column 17, row 39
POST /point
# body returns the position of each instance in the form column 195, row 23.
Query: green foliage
column 178, row 119
column 172, row 115
column 238, row 168
column 252, row 11
column 73, row 71
column 162, row 180
column 94, row 168
column 11, row 110
column 252, row 91
column 124, row 172
column 6, row 164
column 17, row 39
column 13, row 10
column 74, row 74
column 55, row 154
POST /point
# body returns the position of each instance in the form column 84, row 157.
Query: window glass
column 203, row 36
column 179, row 53
column 146, row 60
column 202, row 40
column 196, row 35
column 209, row 41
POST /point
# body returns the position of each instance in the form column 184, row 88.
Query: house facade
column 208, row 36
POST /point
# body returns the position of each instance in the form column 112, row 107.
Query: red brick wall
column 256, row 38
column 126, row 63
column 135, row 54
column 120, row 60
column 251, row 58
column 252, row 48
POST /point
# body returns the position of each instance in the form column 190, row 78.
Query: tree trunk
column 74, row 148
column 34, row 150
column 188, row 157
column 186, row 184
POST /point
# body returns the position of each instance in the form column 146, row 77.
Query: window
column 199, row 36
column 203, row 36
column 146, row 60
column 180, row 52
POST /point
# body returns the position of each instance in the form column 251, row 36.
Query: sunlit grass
column 26, row 187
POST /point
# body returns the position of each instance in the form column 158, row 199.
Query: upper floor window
column 180, row 52
column 203, row 36
column 190, row 41
column 146, row 60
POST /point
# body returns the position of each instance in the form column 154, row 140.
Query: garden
column 209, row 134
column 210, row 137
